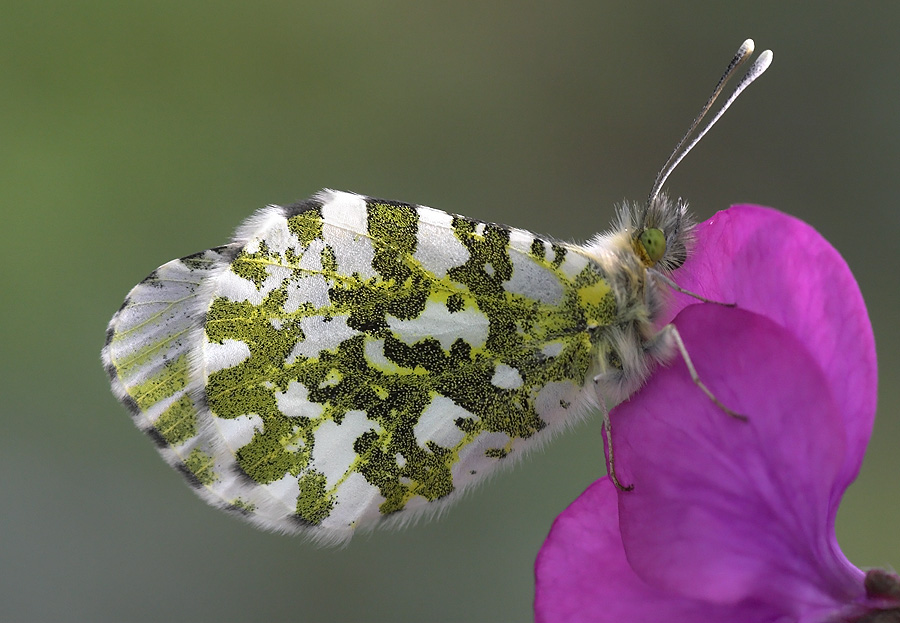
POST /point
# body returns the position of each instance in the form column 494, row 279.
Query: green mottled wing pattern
column 349, row 361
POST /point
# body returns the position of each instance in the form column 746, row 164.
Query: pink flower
column 732, row 521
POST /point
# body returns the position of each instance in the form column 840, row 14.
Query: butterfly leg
column 669, row 333
column 611, row 460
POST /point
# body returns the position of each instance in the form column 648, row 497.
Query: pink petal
column 780, row 267
column 582, row 575
column 732, row 521
column 725, row 510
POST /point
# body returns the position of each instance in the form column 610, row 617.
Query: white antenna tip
column 759, row 66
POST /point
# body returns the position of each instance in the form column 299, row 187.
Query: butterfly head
column 661, row 232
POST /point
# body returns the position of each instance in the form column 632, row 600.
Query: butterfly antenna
column 756, row 70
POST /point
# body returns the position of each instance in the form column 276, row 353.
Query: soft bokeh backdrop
column 133, row 133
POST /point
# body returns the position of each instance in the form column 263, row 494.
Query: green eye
column 653, row 241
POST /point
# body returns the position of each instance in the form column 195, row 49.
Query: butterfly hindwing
column 363, row 360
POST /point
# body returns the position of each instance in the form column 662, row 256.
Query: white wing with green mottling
column 149, row 348
column 348, row 361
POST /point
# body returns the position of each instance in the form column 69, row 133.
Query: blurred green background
column 133, row 133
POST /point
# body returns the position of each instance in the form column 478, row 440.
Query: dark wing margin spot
column 192, row 479
column 302, row 206
column 132, row 406
column 158, row 440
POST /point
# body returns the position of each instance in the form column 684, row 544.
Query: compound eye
column 653, row 240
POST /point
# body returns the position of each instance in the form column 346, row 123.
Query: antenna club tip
column 761, row 64
column 748, row 45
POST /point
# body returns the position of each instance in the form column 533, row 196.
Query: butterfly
column 347, row 362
